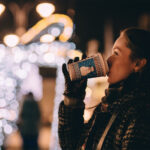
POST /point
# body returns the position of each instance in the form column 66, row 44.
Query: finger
column 70, row 61
column 84, row 56
column 65, row 72
column 76, row 59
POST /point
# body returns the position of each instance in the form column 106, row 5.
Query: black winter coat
column 130, row 130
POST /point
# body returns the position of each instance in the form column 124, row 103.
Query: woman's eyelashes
column 115, row 53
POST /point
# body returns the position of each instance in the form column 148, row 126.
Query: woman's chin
column 111, row 81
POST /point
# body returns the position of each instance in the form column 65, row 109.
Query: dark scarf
column 128, row 92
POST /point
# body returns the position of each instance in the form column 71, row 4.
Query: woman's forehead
column 120, row 42
column 121, row 45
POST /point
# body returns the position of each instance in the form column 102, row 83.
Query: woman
column 122, row 120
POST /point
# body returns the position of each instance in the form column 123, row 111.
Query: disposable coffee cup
column 91, row 67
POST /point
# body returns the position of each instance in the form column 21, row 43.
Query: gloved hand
column 74, row 89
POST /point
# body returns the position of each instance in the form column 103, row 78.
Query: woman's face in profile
column 120, row 64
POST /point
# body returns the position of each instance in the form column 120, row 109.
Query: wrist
column 73, row 102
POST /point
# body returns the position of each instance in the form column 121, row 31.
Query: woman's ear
column 139, row 64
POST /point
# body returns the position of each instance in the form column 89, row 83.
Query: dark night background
column 89, row 17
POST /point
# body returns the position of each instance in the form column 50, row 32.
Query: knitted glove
column 74, row 89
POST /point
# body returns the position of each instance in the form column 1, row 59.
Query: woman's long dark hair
column 138, row 40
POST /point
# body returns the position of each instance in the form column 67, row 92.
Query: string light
column 16, row 64
column 14, row 69
column 11, row 40
column 45, row 9
column 46, row 22
column 47, row 38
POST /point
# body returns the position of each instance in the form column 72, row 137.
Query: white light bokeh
column 26, row 66
column 68, row 31
column 72, row 46
column 4, row 122
column 28, row 86
column 2, row 54
column 2, row 80
column 55, row 31
column 22, row 74
column 45, row 9
column 11, row 40
column 10, row 96
column 2, row 102
column 19, row 55
column 32, row 58
column 49, row 57
column 8, row 129
column 14, row 105
column 47, row 38
column 2, row 8
column 10, row 82
column 1, row 123
column 12, row 115
column 15, row 69
column 43, row 48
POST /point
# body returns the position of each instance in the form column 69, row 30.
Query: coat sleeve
column 137, row 135
column 71, row 129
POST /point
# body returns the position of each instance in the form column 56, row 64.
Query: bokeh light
column 47, row 38
column 55, row 31
column 11, row 40
column 45, row 9
column 2, row 8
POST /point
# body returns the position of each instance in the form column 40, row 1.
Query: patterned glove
column 74, row 89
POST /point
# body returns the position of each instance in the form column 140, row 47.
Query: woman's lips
column 108, row 73
column 109, row 66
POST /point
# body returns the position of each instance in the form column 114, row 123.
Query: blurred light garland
column 14, row 68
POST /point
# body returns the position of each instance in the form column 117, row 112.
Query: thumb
column 65, row 72
column 83, row 56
